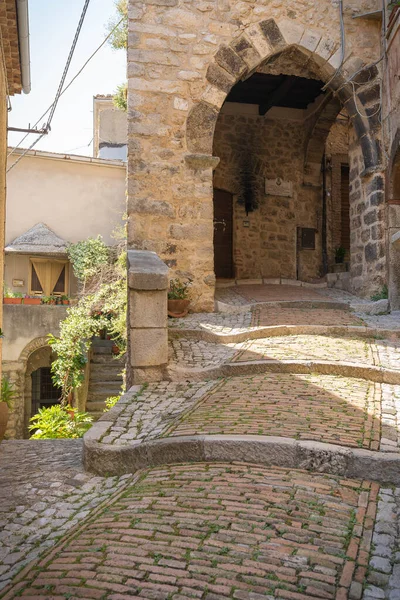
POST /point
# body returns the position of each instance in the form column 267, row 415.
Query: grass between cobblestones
column 215, row 531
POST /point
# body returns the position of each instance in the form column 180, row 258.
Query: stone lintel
column 146, row 271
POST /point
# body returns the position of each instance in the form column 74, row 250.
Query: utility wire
column 60, row 86
column 71, row 82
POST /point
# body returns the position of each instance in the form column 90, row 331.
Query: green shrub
column 382, row 295
column 179, row 290
column 59, row 422
column 110, row 402
column 7, row 391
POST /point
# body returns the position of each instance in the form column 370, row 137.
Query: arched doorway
column 283, row 144
column 39, row 390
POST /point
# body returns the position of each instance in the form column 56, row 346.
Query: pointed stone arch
column 256, row 45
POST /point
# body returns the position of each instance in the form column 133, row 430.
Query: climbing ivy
column 102, row 304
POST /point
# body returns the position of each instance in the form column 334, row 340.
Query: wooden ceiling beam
column 280, row 92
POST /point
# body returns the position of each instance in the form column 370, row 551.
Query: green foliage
column 102, row 305
column 110, row 402
column 119, row 37
column 382, row 295
column 340, row 253
column 7, row 391
column 120, row 98
column 88, row 257
column 179, row 290
column 7, row 293
column 58, row 422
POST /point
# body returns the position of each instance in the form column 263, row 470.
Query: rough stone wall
column 337, row 151
column 171, row 67
column 271, row 149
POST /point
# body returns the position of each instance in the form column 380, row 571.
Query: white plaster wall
column 76, row 199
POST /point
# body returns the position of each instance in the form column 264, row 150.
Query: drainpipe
column 24, row 53
column 324, row 215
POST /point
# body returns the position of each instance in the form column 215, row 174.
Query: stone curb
column 296, row 367
column 106, row 460
column 281, row 330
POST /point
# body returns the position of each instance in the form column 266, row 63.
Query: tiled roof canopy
column 38, row 240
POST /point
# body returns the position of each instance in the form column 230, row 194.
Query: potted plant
column 7, row 395
column 32, row 300
column 12, row 297
column 178, row 298
column 46, row 299
column 64, row 300
column 340, row 253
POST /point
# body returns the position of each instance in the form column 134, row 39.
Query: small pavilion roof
column 40, row 239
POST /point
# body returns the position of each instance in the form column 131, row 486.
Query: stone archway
column 239, row 60
column 37, row 353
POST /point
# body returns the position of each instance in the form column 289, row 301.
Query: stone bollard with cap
column 147, row 322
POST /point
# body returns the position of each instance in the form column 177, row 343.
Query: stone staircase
column 105, row 377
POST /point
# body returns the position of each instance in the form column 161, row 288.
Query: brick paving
column 340, row 410
column 213, row 532
column 272, row 315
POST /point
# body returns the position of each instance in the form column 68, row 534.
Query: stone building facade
column 196, row 127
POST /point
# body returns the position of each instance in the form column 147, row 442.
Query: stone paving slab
column 44, row 492
column 217, row 531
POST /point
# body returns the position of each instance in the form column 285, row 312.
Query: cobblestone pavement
column 323, row 408
column 341, row 410
column 221, row 323
column 250, row 294
column 186, row 353
column 271, row 315
column 44, row 491
column 221, row 531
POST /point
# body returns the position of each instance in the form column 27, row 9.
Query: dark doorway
column 345, row 207
column 223, row 234
column 44, row 393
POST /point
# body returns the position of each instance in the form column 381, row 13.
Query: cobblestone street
column 223, row 529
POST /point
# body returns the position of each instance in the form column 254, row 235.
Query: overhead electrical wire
column 59, row 92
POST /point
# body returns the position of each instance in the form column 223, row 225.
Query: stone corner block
column 201, row 162
column 148, row 308
column 148, row 347
column 146, row 271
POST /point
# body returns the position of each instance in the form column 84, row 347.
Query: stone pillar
column 148, row 331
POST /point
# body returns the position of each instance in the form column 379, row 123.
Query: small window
column 307, row 238
column 48, row 277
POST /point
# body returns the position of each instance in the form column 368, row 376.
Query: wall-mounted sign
column 18, row 282
column 278, row 187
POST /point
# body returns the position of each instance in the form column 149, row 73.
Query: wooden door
column 345, row 207
column 223, row 234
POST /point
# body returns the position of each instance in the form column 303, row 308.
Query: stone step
column 97, row 343
column 105, row 374
column 105, row 386
column 102, row 350
column 106, row 358
column 101, row 396
column 93, row 406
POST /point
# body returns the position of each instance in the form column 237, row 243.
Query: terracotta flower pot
column 65, row 302
column 178, row 308
column 32, row 300
column 12, row 300
column 3, row 419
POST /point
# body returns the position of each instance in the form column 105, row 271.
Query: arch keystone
column 291, row 31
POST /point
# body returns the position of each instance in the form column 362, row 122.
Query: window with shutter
column 48, row 277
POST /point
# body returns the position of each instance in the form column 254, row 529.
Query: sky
column 52, row 28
